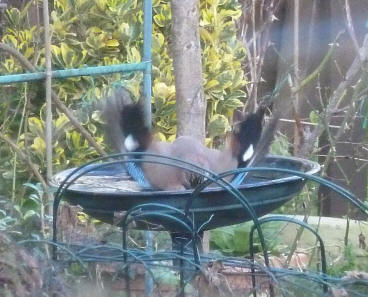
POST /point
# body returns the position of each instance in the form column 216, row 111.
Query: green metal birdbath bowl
column 105, row 189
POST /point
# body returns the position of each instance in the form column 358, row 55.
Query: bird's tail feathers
column 125, row 125
column 247, row 135
column 137, row 134
column 111, row 109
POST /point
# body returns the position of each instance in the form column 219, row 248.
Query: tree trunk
column 190, row 102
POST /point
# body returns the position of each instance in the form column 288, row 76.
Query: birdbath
column 104, row 189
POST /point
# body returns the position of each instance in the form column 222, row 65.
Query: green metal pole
column 147, row 93
column 147, row 56
column 86, row 71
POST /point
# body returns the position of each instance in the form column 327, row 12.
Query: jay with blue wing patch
column 137, row 137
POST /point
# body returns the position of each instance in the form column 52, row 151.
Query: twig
column 258, row 44
column 48, row 123
column 308, row 123
column 345, row 157
column 351, row 27
column 59, row 104
column 346, row 236
column 318, row 70
column 48, row 81
column 18, row 137
column 351, row 74
column 297, row 134
column 340, row 132
column 25, row 158
column 255, row 53
column 270, row 129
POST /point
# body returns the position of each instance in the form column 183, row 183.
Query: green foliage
column 106, row 32
column 222, row 55
column 280, row 146
column 352, row 259
column 23, row 217
column 234, row 240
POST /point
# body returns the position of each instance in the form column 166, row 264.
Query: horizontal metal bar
column 87, row 71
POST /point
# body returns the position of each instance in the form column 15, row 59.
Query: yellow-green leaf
column 171, row 138
column 29, row 52
column 35, row 125
column 212, row 83
column 218, row 125
column 39, row 145
column 67, row 53
column 233, row 103
column 95, row 30
column 11, row 39
column 162, row 91
column 75, row 139
column 160, row 136
column 55, row 50
column 134, row 55
column 112, row 43
column 314, row 117
column 101, row 4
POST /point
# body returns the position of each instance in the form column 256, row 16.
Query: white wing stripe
column 130, row 143
column 248, row 153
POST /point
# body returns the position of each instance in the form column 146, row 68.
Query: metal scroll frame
column 184, row 219
column 146, row 210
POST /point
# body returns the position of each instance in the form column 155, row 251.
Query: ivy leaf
column 222, row 239
column 205, row 35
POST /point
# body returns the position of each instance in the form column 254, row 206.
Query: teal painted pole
column 147, row 94
column 87, row 71
column 147, row 58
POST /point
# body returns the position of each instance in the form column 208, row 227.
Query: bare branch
column 59, row 104
column 351, row 26
column 351, row 74
column 26, row 159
